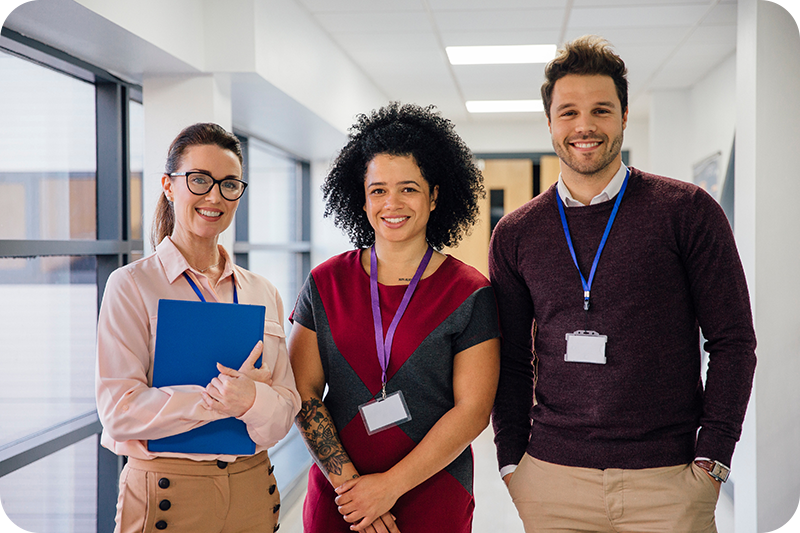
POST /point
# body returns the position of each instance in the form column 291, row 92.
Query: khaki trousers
column 181, row 495
column 552, row 498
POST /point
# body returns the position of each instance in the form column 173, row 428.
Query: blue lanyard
column 587, row 285
column 200, row 294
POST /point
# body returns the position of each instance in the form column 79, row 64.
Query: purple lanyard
column 200, row 294
column 385, row 348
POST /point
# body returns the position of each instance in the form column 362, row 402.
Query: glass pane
column 57, row 493
column 280, row 268
column 47, row 338
column 47, row 153
column 136, row 111
column 272, row 186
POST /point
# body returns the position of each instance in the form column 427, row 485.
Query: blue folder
column 191, row 338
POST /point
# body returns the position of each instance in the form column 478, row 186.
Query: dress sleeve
column 483, row 323
column 303, row 312
column 128, row 407
column 511, row 412
column 272, row 414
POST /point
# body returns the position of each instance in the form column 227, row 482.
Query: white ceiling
column 399, row 44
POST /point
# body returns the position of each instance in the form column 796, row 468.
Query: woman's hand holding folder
column 233, row 392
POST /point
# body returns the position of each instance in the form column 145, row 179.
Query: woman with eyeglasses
column 404, row 337
column 191, row 492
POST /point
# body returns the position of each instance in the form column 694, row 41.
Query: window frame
column 112, row 248
column 291, row 452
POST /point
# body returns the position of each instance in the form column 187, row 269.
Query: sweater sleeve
column 722, row 305
column 511, row 412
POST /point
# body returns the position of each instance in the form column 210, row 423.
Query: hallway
column 494, row 511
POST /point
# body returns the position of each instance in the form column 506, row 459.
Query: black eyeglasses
column 200, row 183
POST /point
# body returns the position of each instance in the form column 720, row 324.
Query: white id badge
column 586, row 347
column 383, row 413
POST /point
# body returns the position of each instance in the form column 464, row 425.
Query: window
column 64, row 145
column 272, row 227
column 56, row 493
column 272, row 239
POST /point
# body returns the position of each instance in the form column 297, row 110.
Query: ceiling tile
column 374, row 22
column 622, row 38
column 410, row 44
column 500, row 82
column 361, row 6
column 637, row 3
column 514, row 19
column 499, row 37
column 666, row 44
column 636, row 16
column 456, row 5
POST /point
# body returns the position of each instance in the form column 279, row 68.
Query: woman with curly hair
column 404, row 337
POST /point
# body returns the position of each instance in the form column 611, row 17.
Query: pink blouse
column 130, row 410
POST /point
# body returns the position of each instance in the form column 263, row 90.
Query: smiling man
column 604, row 282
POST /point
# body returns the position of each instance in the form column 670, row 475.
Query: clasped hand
column 366, row 501
column 233, row 392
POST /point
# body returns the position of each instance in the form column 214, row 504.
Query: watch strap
column 715, row 469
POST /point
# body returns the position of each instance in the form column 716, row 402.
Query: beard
column 589, row 164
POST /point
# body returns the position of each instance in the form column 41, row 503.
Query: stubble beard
column 591, row 167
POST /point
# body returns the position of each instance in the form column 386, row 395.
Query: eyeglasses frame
column 214, row 182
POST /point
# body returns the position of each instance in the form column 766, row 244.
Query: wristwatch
column 715, row 469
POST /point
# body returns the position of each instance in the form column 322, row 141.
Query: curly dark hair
column 443, row 159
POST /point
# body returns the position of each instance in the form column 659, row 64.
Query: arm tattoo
column 320, row 435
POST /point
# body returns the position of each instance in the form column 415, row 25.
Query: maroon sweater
column 669, row 269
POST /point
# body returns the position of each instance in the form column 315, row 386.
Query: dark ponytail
column 203, row 133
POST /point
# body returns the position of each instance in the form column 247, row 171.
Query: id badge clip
column 585, row 346
column 385, row 412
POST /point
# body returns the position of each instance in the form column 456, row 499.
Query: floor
column 494, row 511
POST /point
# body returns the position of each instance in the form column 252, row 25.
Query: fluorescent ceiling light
column 505, row 106
column 497, row 55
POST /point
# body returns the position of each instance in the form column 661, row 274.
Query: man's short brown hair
column 588, row 55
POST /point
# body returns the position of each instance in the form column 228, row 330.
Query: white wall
column 290, row 84
column 637, row 142
column 670, row 122
column 713, row 104
column 172, row 104
column 689, row 125
column 768, row 233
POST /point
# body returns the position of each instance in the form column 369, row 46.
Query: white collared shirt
column 611, row 190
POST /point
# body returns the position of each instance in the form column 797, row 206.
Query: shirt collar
column 175, row 264
column 610, row 191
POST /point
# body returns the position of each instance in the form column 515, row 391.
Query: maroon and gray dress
column 451, row 310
